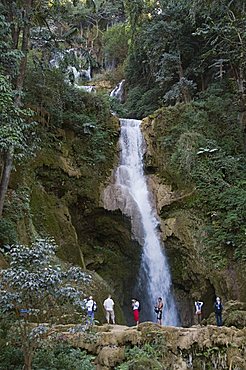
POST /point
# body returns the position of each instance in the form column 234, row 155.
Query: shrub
column 7, row 232
column 62, row 357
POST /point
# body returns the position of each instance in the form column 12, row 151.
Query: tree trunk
column 7, row 167
column 27, row 361
column 27, row 343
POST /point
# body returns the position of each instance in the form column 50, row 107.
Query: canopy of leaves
column 33, row 282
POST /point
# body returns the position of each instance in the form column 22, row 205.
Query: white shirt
column 135, row 306
column 198, row 305
column 108, row 304
column 89, row 304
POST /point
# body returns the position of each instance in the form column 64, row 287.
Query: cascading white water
column 154, row 279
column 118, row 91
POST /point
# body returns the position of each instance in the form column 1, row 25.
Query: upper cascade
column 73, row 75
column 118, row 91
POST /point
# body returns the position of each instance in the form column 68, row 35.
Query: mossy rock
column 145, row 363
column 234, row 314
column 236, row 318
column 51, row 217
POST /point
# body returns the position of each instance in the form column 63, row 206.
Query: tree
column 16, row 28
column 115, row 41
column 33, row 289
column 15, row 131
column 164, row 50
column 223, row 30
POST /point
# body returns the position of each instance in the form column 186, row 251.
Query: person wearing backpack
column 158, row 310
column 91, row 308
column 218, row 308
column 198, row 311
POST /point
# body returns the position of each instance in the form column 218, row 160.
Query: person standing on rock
column 108, row 305
column 135, row 308
column 198, row 307
column 218, row 308
column 159, row 309
column 91, row 308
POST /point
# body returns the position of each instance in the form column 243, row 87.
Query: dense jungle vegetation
column 184, row 65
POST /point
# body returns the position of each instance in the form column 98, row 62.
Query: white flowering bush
column 34, row 289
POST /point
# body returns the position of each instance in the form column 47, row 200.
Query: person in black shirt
column 218, row 307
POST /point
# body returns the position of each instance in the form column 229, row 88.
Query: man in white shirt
column 108, row 305
column 198, row 307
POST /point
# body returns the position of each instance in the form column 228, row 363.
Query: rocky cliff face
column 163, row 347
column 58, row 194
column 182, row 225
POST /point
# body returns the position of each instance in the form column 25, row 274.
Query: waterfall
column 132, row 197
column 73, row 75
column 118, row 91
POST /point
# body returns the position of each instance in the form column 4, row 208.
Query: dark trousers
column 218, row 319
column 199, row 318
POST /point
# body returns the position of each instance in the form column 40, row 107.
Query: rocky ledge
column 198, row 347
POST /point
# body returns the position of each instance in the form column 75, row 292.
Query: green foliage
column 7, row 232
column 34, row 290
column 9, row 58
column 202, row 145
column 60, row 104
column 115, row 41
column 142, row 101
column 15, row 130
column 181, row 47
column 51, row 355
column 118, row 108
column 62, row 357
column 11, row 358
column 162, row 48
column 140, row 358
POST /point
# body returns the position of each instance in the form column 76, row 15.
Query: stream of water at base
column 154, row 277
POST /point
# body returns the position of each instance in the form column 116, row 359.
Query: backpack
column 139, row 307
column 94, row 307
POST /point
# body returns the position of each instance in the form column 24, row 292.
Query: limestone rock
column 176, row 348
column 110, row 356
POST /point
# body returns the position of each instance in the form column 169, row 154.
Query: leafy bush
column 33, row 290
column 62, row 357
column 141, row 102
column 11, row 358
column 115, row 43
column 7, row 232
column 140, row 358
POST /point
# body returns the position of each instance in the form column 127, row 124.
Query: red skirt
column 136, row 315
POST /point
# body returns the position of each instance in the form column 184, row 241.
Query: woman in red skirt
column 135, row 308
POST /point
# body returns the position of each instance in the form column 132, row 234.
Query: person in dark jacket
column 218, row 308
